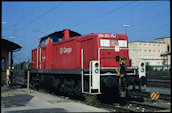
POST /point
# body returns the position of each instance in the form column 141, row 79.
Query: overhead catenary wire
column 43, row 14
column 145, row 29
column 31, row 10
column 139, row 21
column 69, row 9
column 61, row 17
column 109, row 12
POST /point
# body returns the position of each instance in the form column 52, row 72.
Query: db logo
column 61, row 50
column 65, row 50
column 114, row 42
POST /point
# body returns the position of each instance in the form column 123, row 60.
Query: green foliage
column 161, row 70
column 149, row 68
column 92, row 100
column 156, row 70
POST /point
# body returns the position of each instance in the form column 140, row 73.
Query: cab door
column 42, row 54
column 43, row 58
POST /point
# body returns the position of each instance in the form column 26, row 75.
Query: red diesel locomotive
column 97, row 63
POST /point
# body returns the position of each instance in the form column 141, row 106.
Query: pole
column 11, row 70
column 28, row 78
column 126, row 30
column 167, row 62
column 28, row 74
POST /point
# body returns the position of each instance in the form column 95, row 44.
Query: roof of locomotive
column 73, row 33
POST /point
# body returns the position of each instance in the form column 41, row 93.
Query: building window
column 153, row 63
column 140, row 56
column 145, row 56
column 150, row 44
column 133, row 50
column 133, row 56
column 158, row 45
column 150, row 56
column 159, row 51
column 145, row 50
column 140, row 50
column 162, row 40
column 145, row 44
column 158, row 63
column 154, row 51
column 154, row 57
column 133, row 64
column 131, row 44
column 150, row 50
column 140, row 44
column 153, row 44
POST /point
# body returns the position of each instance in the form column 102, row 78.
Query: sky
column 25, row 23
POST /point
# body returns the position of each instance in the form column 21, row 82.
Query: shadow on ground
column 51, row 110
column 17, row 101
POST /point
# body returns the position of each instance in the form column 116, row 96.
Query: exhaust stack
column 66, row 34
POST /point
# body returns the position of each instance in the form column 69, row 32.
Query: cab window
column 43, row 42
column 56, row 38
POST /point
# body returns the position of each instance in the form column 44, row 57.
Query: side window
column 56, row 38
column 44, row 42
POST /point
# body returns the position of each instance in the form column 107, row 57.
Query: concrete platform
column 19, row 101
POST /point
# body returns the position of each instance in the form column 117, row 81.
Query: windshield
column 56, row 38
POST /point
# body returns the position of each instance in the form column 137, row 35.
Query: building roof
column 150, row 41
column 145, row 42
column 161, row 38
column 10, row 46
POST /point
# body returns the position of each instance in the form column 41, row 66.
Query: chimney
column 66, row 34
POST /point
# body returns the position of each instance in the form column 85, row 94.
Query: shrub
column 92, row 100
column 155, row 70
column 149, row 68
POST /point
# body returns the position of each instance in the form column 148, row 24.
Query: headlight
column 142, row 70
column 96, row 70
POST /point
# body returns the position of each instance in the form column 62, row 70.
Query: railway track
column 165, row 97
column 162, row 79
column 135, row 106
